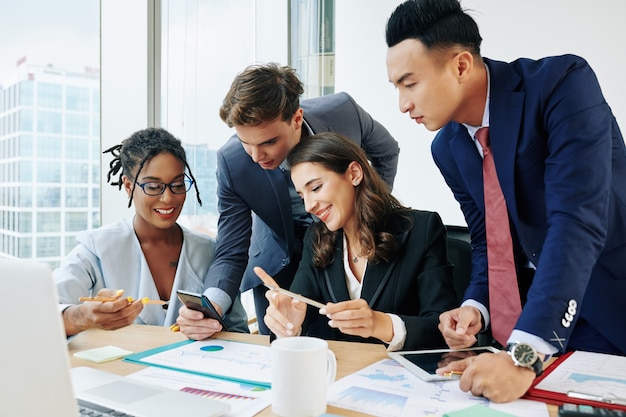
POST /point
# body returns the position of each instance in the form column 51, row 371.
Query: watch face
column 524, row 354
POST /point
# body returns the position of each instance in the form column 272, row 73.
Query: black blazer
column 416, row 285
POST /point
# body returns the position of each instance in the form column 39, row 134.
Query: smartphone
column 199, row 302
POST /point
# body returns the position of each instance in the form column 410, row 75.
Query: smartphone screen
column 199, row 302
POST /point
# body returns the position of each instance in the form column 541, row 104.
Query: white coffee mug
column 302, row 368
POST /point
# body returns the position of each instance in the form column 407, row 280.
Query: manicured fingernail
column 323, row 311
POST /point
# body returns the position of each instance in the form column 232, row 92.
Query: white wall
column 510, row 29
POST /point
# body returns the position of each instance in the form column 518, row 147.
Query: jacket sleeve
column 233, row 239
column 381, row 148
column 435, row 290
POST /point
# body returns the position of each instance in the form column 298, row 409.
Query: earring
column 356, row 183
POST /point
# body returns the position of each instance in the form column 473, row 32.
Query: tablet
column 424, row 363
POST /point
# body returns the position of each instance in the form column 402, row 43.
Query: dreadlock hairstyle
column 130, row 156
column 374, row 204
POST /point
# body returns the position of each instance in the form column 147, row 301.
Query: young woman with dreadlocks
column 147, row 257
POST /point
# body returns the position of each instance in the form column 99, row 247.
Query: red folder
column 558, row 398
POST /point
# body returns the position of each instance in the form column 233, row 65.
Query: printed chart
column 242, row 362
column 589, row 373
column 387, row 389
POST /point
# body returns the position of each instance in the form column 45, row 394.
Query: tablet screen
column 430, row 361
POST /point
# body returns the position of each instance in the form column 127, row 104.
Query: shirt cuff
column 540, row 345
column 220, row 298
column 481, row 308
column 399, row 333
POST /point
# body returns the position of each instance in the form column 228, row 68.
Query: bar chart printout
column 387, row 389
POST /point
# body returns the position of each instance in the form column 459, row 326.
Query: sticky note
column 102, row 354
column 477, row 411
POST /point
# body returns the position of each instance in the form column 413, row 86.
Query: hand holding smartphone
column 199, row 302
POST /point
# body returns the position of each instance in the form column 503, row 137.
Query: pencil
column 98, row 299
column 453, row 374
column 118, row 293
column 175, row 327
column 146, row 300
column 296, row 296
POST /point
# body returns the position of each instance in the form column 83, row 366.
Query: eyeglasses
column 158, row 188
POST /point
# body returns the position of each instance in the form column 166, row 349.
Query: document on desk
column 245, row 400
column 590, row 375
column 387, row 389
column 234, row 361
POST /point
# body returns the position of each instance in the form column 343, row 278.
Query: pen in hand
column 269, row 282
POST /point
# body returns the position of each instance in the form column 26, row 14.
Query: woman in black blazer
column 380, row 268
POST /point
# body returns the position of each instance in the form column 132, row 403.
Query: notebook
column 36, row 375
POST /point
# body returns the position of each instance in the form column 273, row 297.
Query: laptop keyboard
column 86, row 408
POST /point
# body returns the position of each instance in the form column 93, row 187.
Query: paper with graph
column 387, row 389
column 236, row 361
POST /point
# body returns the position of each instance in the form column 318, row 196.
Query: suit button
column 284, row 262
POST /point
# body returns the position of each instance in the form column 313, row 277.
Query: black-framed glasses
column 157, row 188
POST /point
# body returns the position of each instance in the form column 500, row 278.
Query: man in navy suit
column 561, row 163
column 262, row 220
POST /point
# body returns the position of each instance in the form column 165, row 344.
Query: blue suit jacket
column 561, row 163
column 254, row 204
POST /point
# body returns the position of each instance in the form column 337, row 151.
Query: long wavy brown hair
column 374, row 205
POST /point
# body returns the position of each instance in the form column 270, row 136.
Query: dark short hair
column 130, row 156
column 260, row 94
column 435, row 23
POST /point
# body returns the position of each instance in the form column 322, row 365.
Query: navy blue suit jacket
column 255, row 208
column 561, row 162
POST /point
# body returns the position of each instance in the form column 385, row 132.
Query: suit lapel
column 505, row 115
column 469, row 162
column 277, row 181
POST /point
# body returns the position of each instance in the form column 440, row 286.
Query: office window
column 49, row 121
column 76, row 196
column 76, row 221
column 25, row 222
column 77, row 98
column 76, row 172
column 25, row 171
column 26, row 93
column 49, row 98
column 26, row 121
column 312, row 45
column 48, row 221
column 49, row 247
column 77, row 124
column 48, row 196
column 25, row 247
column 76, row 148
column 25, row 197
column 25, row 145
column 49, row 171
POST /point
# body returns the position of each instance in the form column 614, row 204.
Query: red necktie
column 504, row 300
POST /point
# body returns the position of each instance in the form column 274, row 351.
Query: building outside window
column 49, row 126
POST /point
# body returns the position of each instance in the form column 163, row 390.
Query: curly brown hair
column 373, row 203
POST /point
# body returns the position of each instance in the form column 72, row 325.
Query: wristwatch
column 526, row 356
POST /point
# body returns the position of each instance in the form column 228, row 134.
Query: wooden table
column 351, row 357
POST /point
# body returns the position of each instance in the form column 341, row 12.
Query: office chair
column 460, row 256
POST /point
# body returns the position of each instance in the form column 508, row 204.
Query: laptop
column 36, row 378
